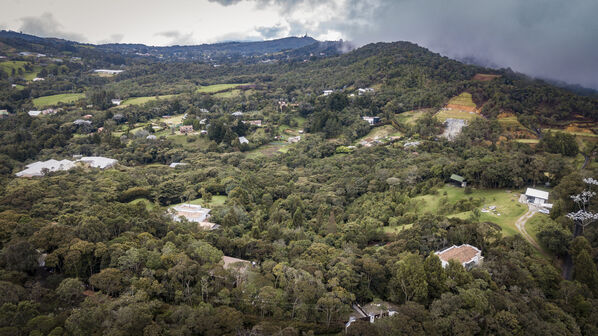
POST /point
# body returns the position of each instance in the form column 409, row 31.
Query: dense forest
column 333, row 218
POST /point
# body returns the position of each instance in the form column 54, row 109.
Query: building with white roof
column 191, row 212
column 536, row 196
column 34, row 113
column 108, row 71
column 98, row 161
column 40, row 168
column 243, row 140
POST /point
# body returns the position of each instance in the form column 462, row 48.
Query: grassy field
column 227, row 94
column 410, row 117
column 217, row 88
column 66, row 98
column 148, row 204
column 269, row 149
column 535, row 224
column 463, row 99
column 380, row 133
column 143, row 100
column 9, row 65
column 508, row 209
column 216, row 201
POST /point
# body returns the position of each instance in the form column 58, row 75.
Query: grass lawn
column 269, row 149
column 67, row 98
column 143, row 100
column 217, row 88
column 511, row 123
column 227, row 94
column 535, row 224
column 216, row 200
column 9, row 65
column 442, row 115
column 148, row 204
column 410, row 117
column 463, row 99
column 528, row 141
column 381, row 132
column 507, row 205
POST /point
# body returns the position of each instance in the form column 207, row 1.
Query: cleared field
column 148, row 204
column 442, row 115
column 484, row 77
column 143, row 100
column 269, row 149
column 508, row 209
column 528, row 141
column 215, row 201
column 228, row 94
column 66, row 98
column 8, row 66
column 410, row 117
column 463, row 99
column 380, row 133
column 217, row 88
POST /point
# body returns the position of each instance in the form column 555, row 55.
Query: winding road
column 520, row 224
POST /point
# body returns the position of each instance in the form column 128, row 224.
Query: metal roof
column 536, row 193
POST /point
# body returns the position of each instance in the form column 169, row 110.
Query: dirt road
column 520, row 224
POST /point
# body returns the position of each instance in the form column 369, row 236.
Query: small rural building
column 465, row 254
column 98, row 161
column 327, row 92
column 253, row 122
column 116, row 101
column 80, row 122
column 371, row 312
column 294, row 139
column 185, row 129
column 458, row 180
column 151, row 137
column 108, row 71
column 362, row 91
column 371, row 120
column 237, row 114
column 40, row 168
column 243, row 140
column 4, row 114
column 191, row 212
column 535, row 196
column 34, row 113
column 176, row 164
column 37, row 79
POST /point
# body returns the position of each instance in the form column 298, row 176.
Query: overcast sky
column 546, row 38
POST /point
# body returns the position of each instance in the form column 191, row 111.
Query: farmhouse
column 185, row 129
column 465, row 254
column 361, row 91
column 294, row 139
column 243, row 140
column 371, row 120
column 108, row 71
column 34, row 113
column 458, row 180
column 237, row 114
column 191, row 212
column 40, row 168
column 98, row 161
column 327, row 92
column 253, row 122
column 116, row 102
column 535, row 196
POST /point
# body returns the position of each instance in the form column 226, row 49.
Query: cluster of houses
column 41, row 168
column 35, row 113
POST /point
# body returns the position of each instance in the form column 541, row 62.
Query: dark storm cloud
column 47, row 26
column 178, row 38
column 544, row 38
column 271, row 32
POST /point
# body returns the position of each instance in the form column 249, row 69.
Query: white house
column 327, row 92
column 98, row 161
column 243, row 140
column 34, row 113
column 465, row 254
column 40, row 168
column 237, row 114
column 191, row 212
column 294, row 139
column 371, row 120
column 108, row 71
column 362, row 91
column 116, row 101
column 536, row 196
column 37, row 79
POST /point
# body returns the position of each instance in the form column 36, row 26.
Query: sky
column 552, row 39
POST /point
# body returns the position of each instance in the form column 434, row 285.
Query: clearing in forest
column 484, row 77
column 143, row 100
column 218, row 87
column 66, row 98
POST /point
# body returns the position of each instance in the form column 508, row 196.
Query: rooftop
column 462, row 253
column 457, row 178
column 536, row 193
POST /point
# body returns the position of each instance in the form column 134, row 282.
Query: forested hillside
column 316, row 213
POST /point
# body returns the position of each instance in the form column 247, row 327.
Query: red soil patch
column 484, row 77
column 462, row 108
